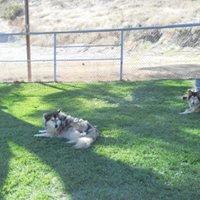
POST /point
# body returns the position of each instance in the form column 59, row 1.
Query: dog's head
column 193, row 98
column 54, row 120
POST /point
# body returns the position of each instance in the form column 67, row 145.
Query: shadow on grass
column 88, row 175
column 151, row 105
column 5, row 156
column 177, row 70
column 85, row 174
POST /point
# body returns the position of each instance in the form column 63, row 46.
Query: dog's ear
column 189, row 92
column 198, row 95
column 184, row 97
column 63, row 117
column 59, row 110
column 46, row 116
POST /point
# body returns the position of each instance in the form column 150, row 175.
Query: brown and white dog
column 78, row 131
column 193, row 99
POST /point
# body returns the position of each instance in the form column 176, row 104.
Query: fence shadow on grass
column 176, row 71
column 151, row 112
column 152, row 106
column 85, row 174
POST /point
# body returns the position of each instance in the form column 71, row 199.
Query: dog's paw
column 37, row 135
column 184, row 113
column 71, row 142
column 43, row 135
column 42, row 131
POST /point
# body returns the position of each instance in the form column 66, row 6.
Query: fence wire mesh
column 96, row 56
column 88, row 56
column 12, row 53
column 162, row 54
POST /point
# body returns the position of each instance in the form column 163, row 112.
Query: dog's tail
column 86, row 141
column 83, row 143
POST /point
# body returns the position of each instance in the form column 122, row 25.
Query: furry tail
column 83, row 143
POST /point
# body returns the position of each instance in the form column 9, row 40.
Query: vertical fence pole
column 121, row 55
column 28, row 47
column 54, row 57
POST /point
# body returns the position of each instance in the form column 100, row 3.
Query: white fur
column 188, row 111
column 194, row 102
column 83, row 143
column 50, row 126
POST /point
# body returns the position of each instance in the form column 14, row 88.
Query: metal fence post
column 28, row 45
column 54, row 57
column 121, row 55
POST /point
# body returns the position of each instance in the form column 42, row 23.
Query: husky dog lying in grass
column 193, row 99
column 78, row 131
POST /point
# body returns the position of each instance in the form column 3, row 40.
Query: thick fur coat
column 77, row 131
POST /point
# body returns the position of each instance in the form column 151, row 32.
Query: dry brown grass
column 51, row 15
column 48, row 15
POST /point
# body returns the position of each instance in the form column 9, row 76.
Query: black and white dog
column 193, row 99
column 78, row 131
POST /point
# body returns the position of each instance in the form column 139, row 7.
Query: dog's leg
column 187, row 111
column 71, row 142
column 42, row 135
column 76, row 146
column 42, row 131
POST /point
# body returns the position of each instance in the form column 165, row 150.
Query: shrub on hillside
column 12, row 11
column 2, row 1
column 187, row 37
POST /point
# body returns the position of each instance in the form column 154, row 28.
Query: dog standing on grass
column 78, row 131
column 193, row 99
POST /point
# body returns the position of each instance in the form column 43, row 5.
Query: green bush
column 2, row 1
column 12, row 11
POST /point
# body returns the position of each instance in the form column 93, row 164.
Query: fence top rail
column 188, row 25
column 87, row 46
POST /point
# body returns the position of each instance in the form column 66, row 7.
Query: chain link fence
column 140, row 53
column 162, row 54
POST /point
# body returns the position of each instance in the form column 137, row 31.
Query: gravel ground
column 182, row 64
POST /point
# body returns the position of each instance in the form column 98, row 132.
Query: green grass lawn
column 146, row 149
